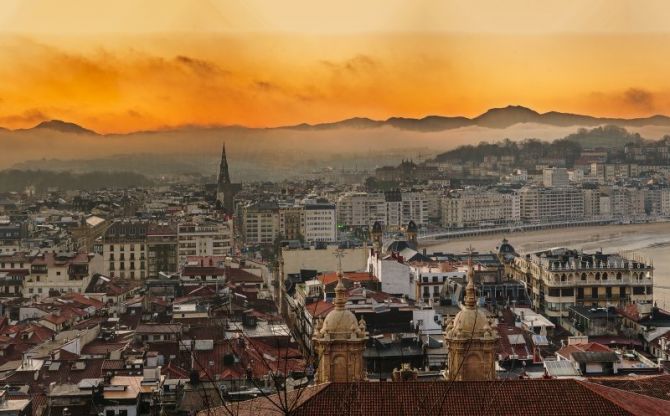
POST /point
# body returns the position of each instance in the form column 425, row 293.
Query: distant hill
column 63, row 126
column 495, row 118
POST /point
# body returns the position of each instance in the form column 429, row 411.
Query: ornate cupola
column 471, row 339
column 340, row 341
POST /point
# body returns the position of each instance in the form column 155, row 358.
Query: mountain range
column 496, row 118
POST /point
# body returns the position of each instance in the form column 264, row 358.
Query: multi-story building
column 320, row 222
column 204, row 238
column 665, row 202
column 560, row 278
column 162, row 246
column 292, row 222
column 543, row 205
column 124, row 250
column 11, row 234
column 260, row 222
column 555, row 177
column 394, row 209
column 360, row 209
column 60, row 272
column 625, row 203
column 591, row 203
column 476, row 208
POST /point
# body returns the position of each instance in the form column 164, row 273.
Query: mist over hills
column 496, row 118
column 263, row 153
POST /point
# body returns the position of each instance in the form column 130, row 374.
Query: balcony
column 601, row 282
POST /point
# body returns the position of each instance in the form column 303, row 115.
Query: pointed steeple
column 224, row 176
column 340, row 291
column 470, row 301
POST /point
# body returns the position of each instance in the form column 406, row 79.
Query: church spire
column 470, row 301
column 224, row 176
column 340, row 290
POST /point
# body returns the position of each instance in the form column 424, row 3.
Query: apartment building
column 162, row 243
column 11, row 234
column 394, row 209
column 360, row 209
column 543, row 205
column 476, row 208
column 60, row 272
column 292, row 222
column 260, row 222
column 204, row 238
column 320, row 221
column 560, row 278
column 555, row 177
column 623, row 202
column 124, row 250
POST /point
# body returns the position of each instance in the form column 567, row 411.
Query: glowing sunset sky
column 126, row 65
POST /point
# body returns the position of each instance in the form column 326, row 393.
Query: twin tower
column 340, row 339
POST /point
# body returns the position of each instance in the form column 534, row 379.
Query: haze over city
column 223, row 208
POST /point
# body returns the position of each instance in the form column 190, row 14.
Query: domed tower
column 506, row 248
column 471, row 340
column 506, row 255
column 412, row 234
column 377, row 234
column 339, row 341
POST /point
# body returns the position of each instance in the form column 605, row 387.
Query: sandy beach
column 651, row 241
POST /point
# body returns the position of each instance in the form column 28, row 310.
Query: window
column 123, row 412
column 109, row 413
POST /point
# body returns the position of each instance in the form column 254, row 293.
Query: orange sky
column 127, row 65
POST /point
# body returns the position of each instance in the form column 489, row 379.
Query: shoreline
column 649, row 240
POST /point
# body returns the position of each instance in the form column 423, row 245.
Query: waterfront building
column 472, row 208
column 560, row 278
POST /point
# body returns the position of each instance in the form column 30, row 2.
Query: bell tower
column 471, row 340
column 340, row 340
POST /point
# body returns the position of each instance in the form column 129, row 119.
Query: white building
column 395, row 276
column 393, row 209
column 60, row 272
column 543, row 205
column 207, row 238
column 474, row 208
column 320, row 222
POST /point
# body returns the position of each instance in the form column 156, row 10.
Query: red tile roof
column 329, row 278
column 637, row 404
column 513, row 397
column 588, row 347
column 319, row 309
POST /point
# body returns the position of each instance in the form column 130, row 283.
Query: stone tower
column 377, row 234
column 471, row 340
column 225, row 190
column 339, row 341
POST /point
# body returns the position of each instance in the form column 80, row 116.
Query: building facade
column 560, row 278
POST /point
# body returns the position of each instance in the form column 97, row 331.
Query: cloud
column 200, row 66
column 639, row 98
column 266, row 86
column 358, row 64
column 30, row 116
